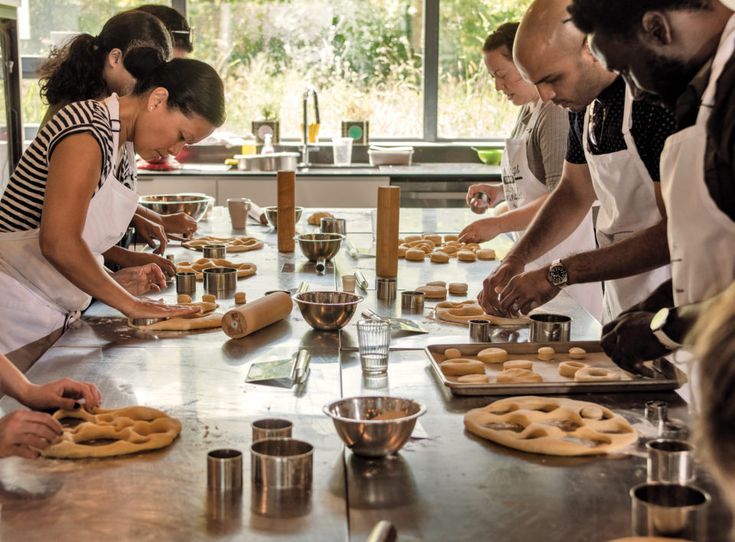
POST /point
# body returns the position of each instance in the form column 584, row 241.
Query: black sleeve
column 720, row 158
column 575, row 150
column 652, row 125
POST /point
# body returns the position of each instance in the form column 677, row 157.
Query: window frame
column 31, row 64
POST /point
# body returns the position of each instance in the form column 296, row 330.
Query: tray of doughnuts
column 541, row 369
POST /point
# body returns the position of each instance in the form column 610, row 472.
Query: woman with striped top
column 65, row 206
column 94, row 67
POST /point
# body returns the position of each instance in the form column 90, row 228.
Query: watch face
column 558, row 275
column 659, row 319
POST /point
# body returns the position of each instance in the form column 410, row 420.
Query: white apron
column 36, row 298
column 628, row 205
column 521, row 187
column 701, row 236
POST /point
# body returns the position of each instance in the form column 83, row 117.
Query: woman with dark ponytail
column 66, row 205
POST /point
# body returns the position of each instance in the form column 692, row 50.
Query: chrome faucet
column 310, row 91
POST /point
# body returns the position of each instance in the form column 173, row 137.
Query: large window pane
column 469, row 107
column 363, row 56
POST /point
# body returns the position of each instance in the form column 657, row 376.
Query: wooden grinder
column 246, row 319
column 286, row 182
column 389, row 206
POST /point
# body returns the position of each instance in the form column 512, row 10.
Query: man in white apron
column 521, row 187
column 696, row 50
column 633, row 252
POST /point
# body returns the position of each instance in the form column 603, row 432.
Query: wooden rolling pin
column 389, row 206
column 286, row 181
column 256, row 212
column 246, row 319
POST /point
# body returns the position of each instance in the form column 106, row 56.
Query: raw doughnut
column 433, row 292
column 439, row 257
column 596, row 374
column 402, row 251
column 485, row 254
column 437, row 283
column 546, row 353
column 570, row 368
column 183, row 298
column 412, row 238
column 466, row 256
column 516, row 376
column 492, row 355
column 315, row 218
column 240, row 298
column 575, row 352
column 451, row 237
column 461, row 366
column 461, row 313
column 436, row 239
column 518, row 364
column 458, row 288
column 233, row 244
column 452, row 353
column 474, row 379
column 415, row 255
column 209, row 298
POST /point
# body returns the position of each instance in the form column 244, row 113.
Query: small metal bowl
column 271, row 215
column 193, row 204
column 354, row 420
column 319, row 246
column 327, row 311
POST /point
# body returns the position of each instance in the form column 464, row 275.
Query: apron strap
column 113, row 109
column 535, row 114
column 722, row 56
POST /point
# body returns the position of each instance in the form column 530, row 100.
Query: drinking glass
column 373, row 338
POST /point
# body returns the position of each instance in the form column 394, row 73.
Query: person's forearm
column 118, row 256
column 561, row 213
column 519, row 219
column 149, row 214
column 73, row 259
column 641, row 252
column 12, row 381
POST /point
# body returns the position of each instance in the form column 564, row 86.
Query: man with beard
column 679, row 52
column 613, row 155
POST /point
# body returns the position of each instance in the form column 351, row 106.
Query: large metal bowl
column 320, row 246
column 327, row 311
column 193, row 204
column 354, row 420
column 271, row 215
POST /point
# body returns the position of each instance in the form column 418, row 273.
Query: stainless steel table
column 450, row 486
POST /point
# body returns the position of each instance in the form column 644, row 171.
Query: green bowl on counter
column 490, row 157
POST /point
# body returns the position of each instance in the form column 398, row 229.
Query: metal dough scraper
column 403, row 324
column 285, row 372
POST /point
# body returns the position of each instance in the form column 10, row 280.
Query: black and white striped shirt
column 21, row 205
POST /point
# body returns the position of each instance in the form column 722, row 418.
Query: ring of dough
column 464, row 311
column 134, row 429
column 205, row 319
column 233, row 244
column 451, row 237
column 433, row 292
column 466, row 256
column 462, row 366
column 596, row 374
column 412, row 238
column 439, row 257
column 575, row 352
column 315, row 218
column 492, row 355
column 517, row 376
column 485, row 254
column 434, row 238
column 570, row 368
column 437, row 283
column 474, row 379
column 518, row 364
column 452, row 353
column 402, row 250
column 415, row 255
column 546, row 353
column 243, row 270
column 551, row 426
column 458, row 288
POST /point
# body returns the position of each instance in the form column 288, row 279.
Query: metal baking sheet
column 668, row 377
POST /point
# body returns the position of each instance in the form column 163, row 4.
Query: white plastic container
column 394, row 156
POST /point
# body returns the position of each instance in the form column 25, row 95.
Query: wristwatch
column 658, row 322
column 557, row 274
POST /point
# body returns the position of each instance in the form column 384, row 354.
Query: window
column 412, row 67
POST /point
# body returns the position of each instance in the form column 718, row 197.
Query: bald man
column 612, row 156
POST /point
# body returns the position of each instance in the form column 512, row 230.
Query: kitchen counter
column 425, row 170
column 449, row 486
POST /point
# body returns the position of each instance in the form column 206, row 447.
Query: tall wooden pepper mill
column 386, row 264
column 286, row 182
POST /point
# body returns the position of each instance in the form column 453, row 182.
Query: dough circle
column 183, row 298
column 240, row 298
column 315, row 218
column 570, row 368
column 433, row 292
column 517, row 376
column 492, row 355
column 462, row 366
column 546, row 353
column 466, row 256
column 518, row 364
column 209, row 298
column 452, row 353
column 474, row 379
column 596, row 374
column 415, row 255
column 458, row 288
column 575, row 352
column 439, row 257
column 434, row 238
column 485, row 254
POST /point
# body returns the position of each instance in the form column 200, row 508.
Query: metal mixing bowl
column 327, row 311
column 320, row 246
column 193, row 204
column 355, row 424
column 271, row 214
